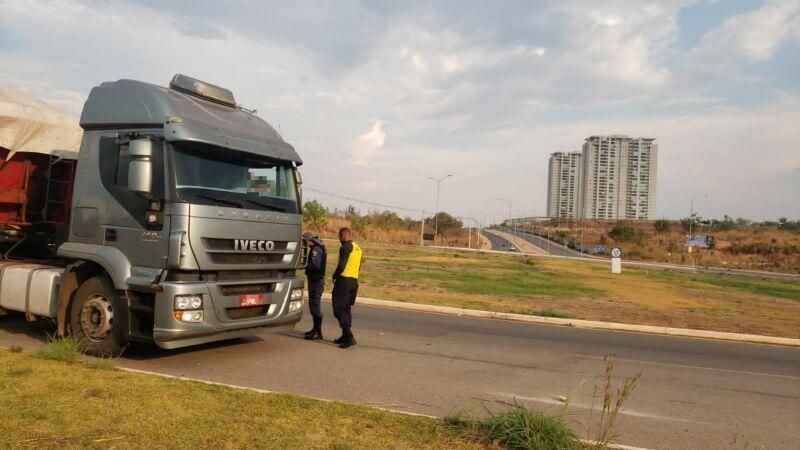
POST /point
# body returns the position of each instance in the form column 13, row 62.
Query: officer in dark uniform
column 315, row 272
column 345, row 286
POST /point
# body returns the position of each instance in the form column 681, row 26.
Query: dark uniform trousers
column 345, row 290
column 315, row 289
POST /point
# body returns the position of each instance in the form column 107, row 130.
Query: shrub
column 67, row 349
column 518, row 428
column 623, row 233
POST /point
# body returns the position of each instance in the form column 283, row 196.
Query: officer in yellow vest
column 345, row 286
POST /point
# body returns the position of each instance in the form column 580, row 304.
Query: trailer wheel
column 96, row 317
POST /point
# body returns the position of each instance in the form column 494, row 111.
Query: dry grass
column 754, row 247
column 529, row 285
column 404, row 236
column 49, row 404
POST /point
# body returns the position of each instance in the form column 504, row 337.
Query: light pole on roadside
column 691, row 221
column 436, row 215
column 691, row 212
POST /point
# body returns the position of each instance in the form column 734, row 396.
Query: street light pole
column 436, row 216
column 691, row 222
column 509, row 209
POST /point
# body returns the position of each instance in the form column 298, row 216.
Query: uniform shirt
column 317, row 259
column 349, row 261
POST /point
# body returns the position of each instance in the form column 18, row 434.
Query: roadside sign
column 428, row 236
column 616, row 260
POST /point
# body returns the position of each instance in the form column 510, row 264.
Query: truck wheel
column 96, row 317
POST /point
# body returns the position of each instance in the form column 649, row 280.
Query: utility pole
column 436, row 216
column 691, row 221
column 422, row 230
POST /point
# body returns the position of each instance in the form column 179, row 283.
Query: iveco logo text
column 252, row 245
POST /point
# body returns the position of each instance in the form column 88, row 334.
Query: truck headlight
column 188, row 302
column 297, row 294
column 295, row 305
column 189, row 316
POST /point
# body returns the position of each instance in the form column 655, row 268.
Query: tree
column 622, row 233
column 662, row 225
column 695, row 220
column 315, row 214
column 385, row 220
column 445, row 221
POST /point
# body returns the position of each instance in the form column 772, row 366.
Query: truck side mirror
column 140, row 167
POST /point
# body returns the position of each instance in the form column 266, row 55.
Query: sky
column 379, row 96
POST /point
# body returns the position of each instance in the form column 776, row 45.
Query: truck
column 176, row 222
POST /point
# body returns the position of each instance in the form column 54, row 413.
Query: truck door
column 125, row 224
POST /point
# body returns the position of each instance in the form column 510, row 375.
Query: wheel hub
column 97, row 317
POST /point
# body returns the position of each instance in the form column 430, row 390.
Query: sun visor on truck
column 187, row 130
column 189, row 110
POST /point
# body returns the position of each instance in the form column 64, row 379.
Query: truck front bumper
column 170, row 332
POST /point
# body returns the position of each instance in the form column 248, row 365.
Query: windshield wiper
column 267, row 205
column 228, row 201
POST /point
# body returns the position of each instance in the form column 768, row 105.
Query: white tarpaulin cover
column 30, row 125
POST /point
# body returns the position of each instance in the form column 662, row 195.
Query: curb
column 578, row 323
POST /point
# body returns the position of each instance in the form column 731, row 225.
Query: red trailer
column 38, row 157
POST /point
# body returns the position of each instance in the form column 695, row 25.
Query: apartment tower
column 618, row 178
column 564, row 184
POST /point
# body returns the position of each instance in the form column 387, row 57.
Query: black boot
column 347, row 339
column 316, row 332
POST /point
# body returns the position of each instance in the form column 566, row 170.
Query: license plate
column 251, row 300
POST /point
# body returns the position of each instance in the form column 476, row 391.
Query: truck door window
column 114, row 177
column 123, row 158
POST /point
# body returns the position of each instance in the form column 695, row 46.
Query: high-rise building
column 564, row 184
column 619, row 178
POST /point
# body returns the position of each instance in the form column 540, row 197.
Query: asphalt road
column 692, row 393
column 549, row 246
column 498, row 243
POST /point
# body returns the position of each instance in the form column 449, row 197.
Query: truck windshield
column 205, row 176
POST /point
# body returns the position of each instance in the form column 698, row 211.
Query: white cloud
column 366, row 146
column 481, row 93
column 754, row 36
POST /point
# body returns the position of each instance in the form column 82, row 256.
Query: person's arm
column 344, row 255
column 314, row 260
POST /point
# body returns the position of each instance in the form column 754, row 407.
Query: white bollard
column 616, row 260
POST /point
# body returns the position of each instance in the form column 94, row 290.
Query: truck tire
column 92, row 317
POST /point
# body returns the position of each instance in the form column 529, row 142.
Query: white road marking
column 686, row 366
column 625, row 411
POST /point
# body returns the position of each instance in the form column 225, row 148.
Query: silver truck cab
column 191, row 207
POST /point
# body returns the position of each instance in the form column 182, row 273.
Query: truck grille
column 223, row 251
column 227, row 244
column 245, row 258
column 239, row 289
column 247, row 312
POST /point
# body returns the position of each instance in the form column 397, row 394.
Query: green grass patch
column 102, row 364
column 787, row 289
column 517, row 427
column 67, row 349
column 509, row 278
column 75, row 406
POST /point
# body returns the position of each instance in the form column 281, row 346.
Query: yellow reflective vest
column 353, row 264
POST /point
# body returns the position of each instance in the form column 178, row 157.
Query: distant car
column 512, row 248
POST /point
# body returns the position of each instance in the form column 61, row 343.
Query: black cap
column 308, row 236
